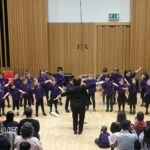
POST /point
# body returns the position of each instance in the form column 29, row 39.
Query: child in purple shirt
column 103, row 141
column 30, row 80
column 70, row 85
column 108, row 86
column 115, row 77
column 3, row 82
column 54, row 94
column 39, row 93
column 60, row 79
column 42, row 78
column 3, row 96
column 143, row 84
column 91, row 91
column 16, row 95
column 102, row 78
column 122, row 89
column 133, row 91
column 147, row 96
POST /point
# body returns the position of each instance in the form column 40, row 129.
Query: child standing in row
column 115, row 77
column 59, row 77
column 54, row 94
column 147, row 96
column 91, row 91
column 3, row 96
column 38, row 91
column 102, row 78
column 133, row 91
column 122, row 88
column 108, row 86
column 42, row 78
column 70, row 85
column 26, row 88
column 143, row 84
column 16, row 96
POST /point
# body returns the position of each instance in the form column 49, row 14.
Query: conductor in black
column 79, row 98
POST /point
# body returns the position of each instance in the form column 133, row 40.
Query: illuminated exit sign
column 114, row 16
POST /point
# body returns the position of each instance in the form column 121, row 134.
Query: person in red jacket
column 139, row 125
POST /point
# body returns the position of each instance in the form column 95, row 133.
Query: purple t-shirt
column 108, row 87
column 103, row 137
column 15, row 94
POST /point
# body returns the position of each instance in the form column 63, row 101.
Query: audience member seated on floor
column 144, row 139
column 115, row 127
column 4, row 143
column 25, row 146
column 28, row 112
column 139, row 125
column 27, row 132
column 125, row 139
column 9, row 125
column 102, row 141
column 121, row 116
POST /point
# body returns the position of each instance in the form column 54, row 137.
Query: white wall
column 92, row 10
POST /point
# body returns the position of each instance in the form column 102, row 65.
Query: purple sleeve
column 42, row 84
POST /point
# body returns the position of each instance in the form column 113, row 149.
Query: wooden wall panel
column 108, row 45
column 140, row 35
column 113, row 45
column 28, row 35
column 63, row 40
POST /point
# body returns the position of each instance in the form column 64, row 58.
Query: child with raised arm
column 38, row 93
column 60, row 79
column 54, row 94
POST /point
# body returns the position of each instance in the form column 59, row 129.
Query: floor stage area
column 57, row 133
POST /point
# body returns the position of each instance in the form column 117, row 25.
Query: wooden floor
column 57, row 134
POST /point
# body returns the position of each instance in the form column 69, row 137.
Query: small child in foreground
column 103, row 141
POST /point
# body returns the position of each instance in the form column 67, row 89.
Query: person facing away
column 78, row 96
column 125, row 140
column 35, row 123
column 27, row 132
column 139, row 125
column 103, row 141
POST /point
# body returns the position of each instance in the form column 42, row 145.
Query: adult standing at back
column 78, row 96
column 28, row 112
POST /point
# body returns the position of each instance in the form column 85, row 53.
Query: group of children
column 28, row 89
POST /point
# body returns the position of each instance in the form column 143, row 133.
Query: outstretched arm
column 138, row 70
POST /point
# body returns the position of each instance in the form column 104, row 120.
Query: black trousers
column 51, row 102
column 103, row 96
column 109, row 102
column 46, row 90
column 101, row 144
column 78, row 117
column 67, row 103
column 2, row 107
column 114, row 96
column 121, row 104
column 39, row 103
column 92, row 96
column 15, row 105
column 27, row 99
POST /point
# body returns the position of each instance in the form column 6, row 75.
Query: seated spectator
column 9, row 125
column 125, row 139
column 115, row 127
column 28, row 112
column 27, row 131
column 102, row 141
column 139, row 125
column 4, row 143
column 25, row 146
column 121, row 116
column 144, row 139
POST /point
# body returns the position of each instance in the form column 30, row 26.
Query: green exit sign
column 114, row 16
